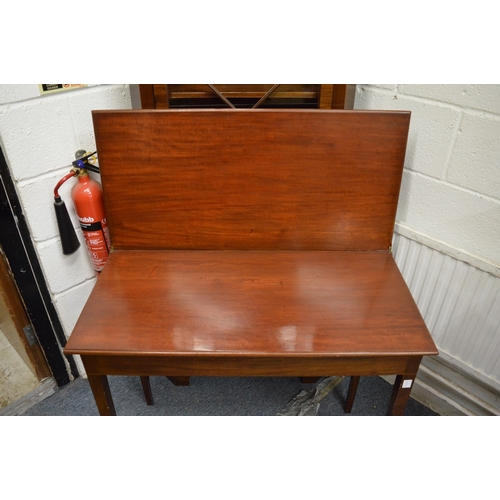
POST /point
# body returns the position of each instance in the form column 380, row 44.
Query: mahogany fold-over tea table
column 251, row 243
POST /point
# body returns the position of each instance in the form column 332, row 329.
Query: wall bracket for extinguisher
column 86, row 160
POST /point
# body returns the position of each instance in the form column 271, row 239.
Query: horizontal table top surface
column 283, row 303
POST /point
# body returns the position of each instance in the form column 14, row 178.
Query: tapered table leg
column 179, row 381
column 146, row 387
column 351, row 394
column 400, row 394
column 309, row 380
column 102, row 394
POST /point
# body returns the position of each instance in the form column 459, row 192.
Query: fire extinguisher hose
column 61, row 182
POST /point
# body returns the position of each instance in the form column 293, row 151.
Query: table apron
column 250, row 366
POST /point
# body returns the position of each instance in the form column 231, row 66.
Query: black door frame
column 17, row 246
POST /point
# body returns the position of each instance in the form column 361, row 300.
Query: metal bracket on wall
column 29, row 333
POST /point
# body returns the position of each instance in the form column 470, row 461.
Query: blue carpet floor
column 216, row 396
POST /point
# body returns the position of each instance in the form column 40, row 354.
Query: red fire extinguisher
column 88, row 200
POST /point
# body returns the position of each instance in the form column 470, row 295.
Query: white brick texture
column 37, row 199
column 451, row 183
column 69, row 304
column 16, row 93
column 82, row 104
column 432, row 129
column 464, row 220
column 39, row 136
column 64, row 271
column 471, row 97
column 475, row 163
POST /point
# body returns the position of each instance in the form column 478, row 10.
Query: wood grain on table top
column 251, row 302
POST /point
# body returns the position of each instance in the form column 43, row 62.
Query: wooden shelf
column 308, row 96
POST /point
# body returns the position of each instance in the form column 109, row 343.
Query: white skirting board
column 458, row 296
column 448, row 391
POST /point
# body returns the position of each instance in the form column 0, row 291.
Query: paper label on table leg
column 407, row 384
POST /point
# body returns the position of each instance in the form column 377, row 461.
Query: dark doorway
column 23, row 266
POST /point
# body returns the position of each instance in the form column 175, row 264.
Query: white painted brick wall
column 16, row 93
column 43, row 223
column 461, row 219
column 450, row 201
column 64, row 271
column 475, row 162
column 39, row 137
column 470, row 97
column 70, row 302
column 451, row 182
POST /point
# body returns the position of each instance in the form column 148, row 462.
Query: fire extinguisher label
column 96, row 226
column 97, row 240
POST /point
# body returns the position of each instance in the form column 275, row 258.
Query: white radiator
column 460, row 304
